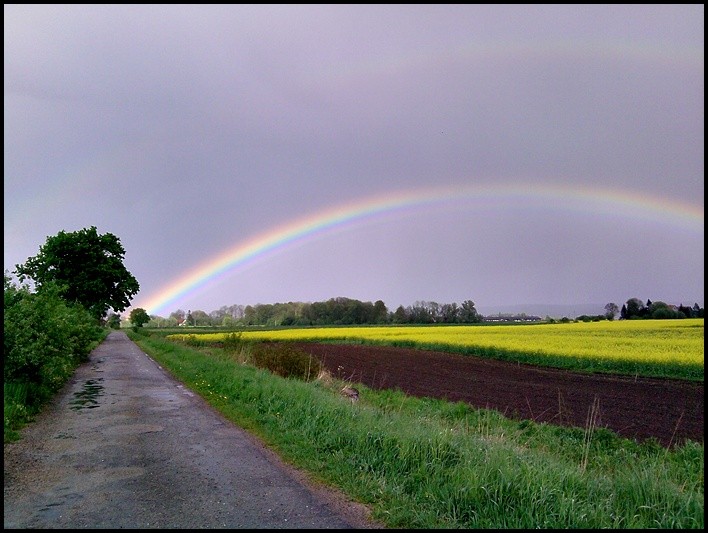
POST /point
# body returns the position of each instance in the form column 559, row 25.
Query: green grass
column 425, row 463
column 16, row 410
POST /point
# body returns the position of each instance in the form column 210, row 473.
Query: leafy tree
column 178, row 315
column 113, row 321
column 635, row 308
column 664, row 312
column 139, row 317
column 685, row 311
column 88, row 269
column 157, row 321
column 236, row 310
column 449, row 313
column 217, row 316
column 228, row 321
column 399, row 315
column 421, row 312
column 468, row 313
column 611, row 310
column 380, row 312
column 200, row 318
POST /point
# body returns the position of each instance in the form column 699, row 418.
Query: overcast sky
column 573, row 135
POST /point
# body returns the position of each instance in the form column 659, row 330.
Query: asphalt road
column 126, row 446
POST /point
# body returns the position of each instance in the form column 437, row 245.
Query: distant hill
column 544, row 310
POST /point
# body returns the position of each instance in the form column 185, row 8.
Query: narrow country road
column 126, row 446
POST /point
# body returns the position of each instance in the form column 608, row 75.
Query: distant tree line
column 637, row 309
column 343, row 311
column 339, row 311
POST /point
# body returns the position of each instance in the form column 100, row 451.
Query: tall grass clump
column 281, row 358
column 286, row 360
column 422, row 463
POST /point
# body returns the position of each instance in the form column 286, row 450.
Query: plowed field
column 639, row 408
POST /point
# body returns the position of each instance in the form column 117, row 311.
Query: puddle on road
column 86, row 398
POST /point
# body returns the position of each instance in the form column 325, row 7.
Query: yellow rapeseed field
column 642, row 341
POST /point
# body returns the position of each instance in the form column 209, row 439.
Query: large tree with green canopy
column 87, row 267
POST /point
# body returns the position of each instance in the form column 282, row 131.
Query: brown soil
column 671, row 411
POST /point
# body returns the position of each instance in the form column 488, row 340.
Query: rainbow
column 603, row 202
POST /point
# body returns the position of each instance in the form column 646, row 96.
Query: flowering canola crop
column 673, row 342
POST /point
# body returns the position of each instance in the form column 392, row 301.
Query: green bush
column 45, row 339
column 286, row 360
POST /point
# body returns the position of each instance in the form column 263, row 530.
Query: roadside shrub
column 286, row 360
column 45, row 339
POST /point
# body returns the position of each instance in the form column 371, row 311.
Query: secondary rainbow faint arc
column 605, row 201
